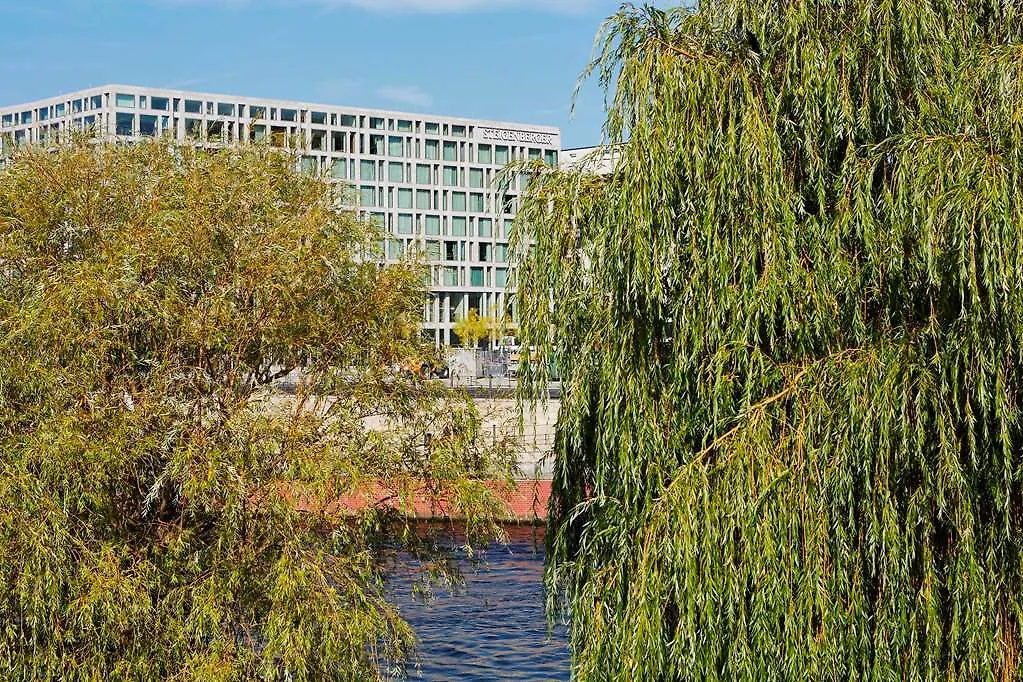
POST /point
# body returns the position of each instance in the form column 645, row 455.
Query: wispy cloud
column 409, row 95
column 421, row 6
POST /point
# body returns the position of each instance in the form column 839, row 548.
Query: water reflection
column 494, row 627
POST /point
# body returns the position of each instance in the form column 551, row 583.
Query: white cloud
column 409, row 95
column 424, row 6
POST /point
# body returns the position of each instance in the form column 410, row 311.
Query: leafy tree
column 471, row 328
column 165, row 513
column 791, row 319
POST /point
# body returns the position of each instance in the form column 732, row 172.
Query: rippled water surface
column 494, row 627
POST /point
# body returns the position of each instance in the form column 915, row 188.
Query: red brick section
column 526, row 501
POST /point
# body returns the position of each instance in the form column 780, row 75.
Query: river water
column 493, row 627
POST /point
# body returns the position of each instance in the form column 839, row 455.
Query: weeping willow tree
column 165, row 512
column 789, row 323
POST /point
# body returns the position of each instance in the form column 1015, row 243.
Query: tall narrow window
column 423, row 174
column 395, row 146
column 450, row 151
column 450, row 176
column 484, row 153
column 395, row 171
column 431, row 150
column 367, row 170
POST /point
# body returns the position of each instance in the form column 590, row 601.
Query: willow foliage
column 789, row 324
column 164, row 512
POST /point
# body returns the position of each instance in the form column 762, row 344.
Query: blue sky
column 514, row 60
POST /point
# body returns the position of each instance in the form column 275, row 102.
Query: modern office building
column 428, row 180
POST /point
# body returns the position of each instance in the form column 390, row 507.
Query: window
column 7, row 120
column 193, row 106
column 395, row 146
column 457, row 131
column 159, row 103
column 476, row 202
column 404, row 198
column 433, row 250
column 193, row 128
column 508, row 228
column 58, row 110
column 404, row 223
column 523, row 181
column 431, row 150
column 376, row 145
column 486, row 227
column 348, row 120
column 432, row 224
column 423, row 174
column 450, row 277
column 550, row 157
column 289, row 114
column 450, row 151
column 367, row 196
column 395, row 171
column 423, row 199
column 125, row 101
column 484, row 153
column 501, row 253
column 225, row 109
column 500, row 155
column 76, row 106
column 458, row 226
column 318, row 117
column 432, row 128
column 376, row 123
column 485, row 253
column 147, row 125
column 404, row 126
column 450, row 176
column 309, row 165
column 395, row 249
column 500, row 277
column 458, row 201
column 125, row 123
column 96, row 102
column 257, row 112
column 26, row 117
column 339, row 169
column 367, row 170
column 476, row 177
column 476, row 277
column 534, row 154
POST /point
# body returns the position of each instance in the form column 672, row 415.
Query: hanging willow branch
column 789, row 327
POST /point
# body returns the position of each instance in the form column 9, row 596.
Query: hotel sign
column 523, row 136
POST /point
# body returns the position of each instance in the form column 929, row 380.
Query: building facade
column 428, row 181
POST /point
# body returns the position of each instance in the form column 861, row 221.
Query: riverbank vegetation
column 165, row 513
column 790, row 443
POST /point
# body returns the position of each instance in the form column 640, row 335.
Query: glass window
column 76, row 106
column 550, row 157
column 433, row 250
column 476, row 277
column 289, row 114
column 450, row 176
column 450, row 276
column 404, row 198
column 318, row 117
column 367, row 196
column 367, row 170
column 26, row 117
column 125, row 101
column 404, row 126
column 309, row 165
column 484, row 153
column 475, row 177
column 431, row 150
column 432, row 128
column 96, row 102
column 523, row 181
column 501, row 277
column 508, row 228
column 458, row 201
column 7, row 120
column 500, row 154
column 159, row 103
column 44, row 114
column 125, row 123
column 193, row 128
column 193, row 106
column 395, row 146
column 339, row 168
column 58, row 110
column 376, row 123
column 534, row 154
column 395, row 171
column 225, row 109
column 450, row 151
column 432, row 224
column 458, row 131
column 257, row 112
column 376, row 144
column 501, row 253
column 423, row 174
column 404, row 223
column 486, row 227
column 423, row 199
column 147, row 125
column 476, row 202
column 348, row 120
column 395, row 249
column 458, row 226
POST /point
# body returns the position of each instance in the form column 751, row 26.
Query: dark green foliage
column 164, row 512
column 790, row 326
